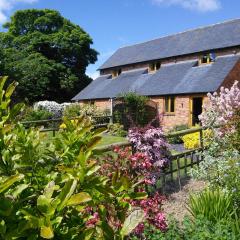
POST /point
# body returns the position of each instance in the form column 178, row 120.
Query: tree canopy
column 47, row 54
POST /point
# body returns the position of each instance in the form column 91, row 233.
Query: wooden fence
column 52, row 125
column 179, row 163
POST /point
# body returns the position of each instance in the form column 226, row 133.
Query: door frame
column 191, row 107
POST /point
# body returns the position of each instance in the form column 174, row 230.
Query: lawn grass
column 108, row 140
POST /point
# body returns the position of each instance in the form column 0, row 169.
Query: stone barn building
column 176, row 71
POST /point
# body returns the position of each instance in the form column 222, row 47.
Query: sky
column 117, row 23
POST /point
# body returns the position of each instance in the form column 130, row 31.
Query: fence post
column 201, row 139
column 171, row 168
column 185, row 165
column 111, row 110
column 163, row 182
column 179, row 174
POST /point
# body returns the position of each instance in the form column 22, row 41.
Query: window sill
column 169, row 114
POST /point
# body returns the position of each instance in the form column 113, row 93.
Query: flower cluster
column 151, row 207
column 137, row 165
column 151, row 141
column 53, row 107
column 222, row 107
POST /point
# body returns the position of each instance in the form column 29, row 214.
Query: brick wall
column 181, row 115
column 232, row 76
column 102, row 104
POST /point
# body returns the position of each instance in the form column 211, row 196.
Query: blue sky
column 116, row 23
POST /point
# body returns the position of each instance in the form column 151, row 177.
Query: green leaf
column 19, row 189
column 3, row 228
column 99, row 131
column 49, row 189
column 138, row 195
column 2, row 82
column 79, row 199
column 87, row 234
column 10, row 181
column 16, row 109
column 93, row 143
column 66, row 193
column 47, row 232
column 44, row 205
column 11, row 88
column 92, row 170
column 107, row 231
column 132, row 222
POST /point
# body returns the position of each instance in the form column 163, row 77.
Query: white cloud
column 198, row 5
column 93, row 75
column 7, row 5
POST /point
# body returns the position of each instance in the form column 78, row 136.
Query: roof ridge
column 179, row 33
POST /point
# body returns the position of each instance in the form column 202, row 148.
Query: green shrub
column 76, row 110
column 116, row 129
column 213, row 205
column 53, row 189
column 35, row 115
column 199, row 229
column 178, row 139
column 132, row 110
column 73, row 110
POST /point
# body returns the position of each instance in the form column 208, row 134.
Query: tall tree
column 46, row 54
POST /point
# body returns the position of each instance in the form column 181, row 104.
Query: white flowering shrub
column 222, row 107
column 221, row 160
column 53, row 107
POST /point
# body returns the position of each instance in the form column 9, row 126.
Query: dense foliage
column 131, row 109
column 222, row 108
column 221, row 165
column 116, row 129
column 177, row 139
column 151, row 141
column 31, row 114
column 76, row 110
column 47, row 54
column 138, row 167
column 55, row 189
column 200, row 229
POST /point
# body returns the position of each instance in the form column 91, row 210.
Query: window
column 153, row 67
column 207, row 58
column 116, row 73
column 169, row 104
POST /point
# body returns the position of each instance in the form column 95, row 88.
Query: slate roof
column 213, row 37
column 171, row 79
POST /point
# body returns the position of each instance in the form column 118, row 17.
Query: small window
column 207, row 58
column 153, row 67
column 116, row 73
column 169, row 104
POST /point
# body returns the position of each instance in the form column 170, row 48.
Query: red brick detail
column 181, row 115
column 233, row 76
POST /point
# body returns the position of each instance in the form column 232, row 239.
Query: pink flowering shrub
column 151, row 141
column 151, row 207
column 138, row 167
column 135, row 166
column 222, row 108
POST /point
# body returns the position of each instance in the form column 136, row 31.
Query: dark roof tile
column 171, row 79
column 217, row 36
